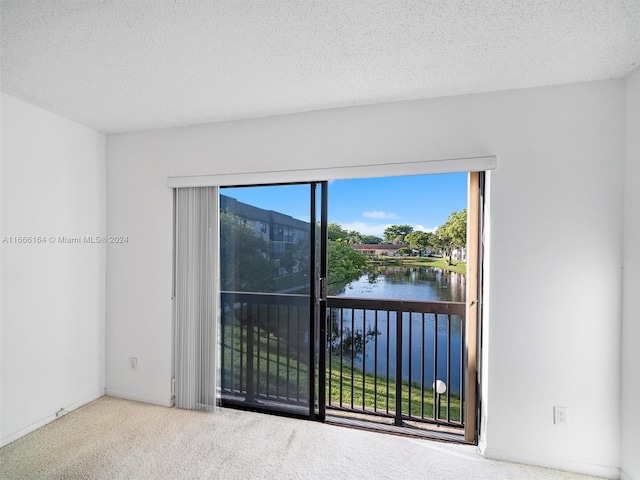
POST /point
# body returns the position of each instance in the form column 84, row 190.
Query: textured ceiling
column 121, row 65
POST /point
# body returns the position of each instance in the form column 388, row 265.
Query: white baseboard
column 554, row 463
column 624, row 476
column 163, row 402
column 50, row 418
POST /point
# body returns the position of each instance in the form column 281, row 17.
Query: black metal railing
column 383, row 357
column 387, row 358
column 265, row 347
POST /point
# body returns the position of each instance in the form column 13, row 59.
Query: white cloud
column 421, row 228
column 379, row 214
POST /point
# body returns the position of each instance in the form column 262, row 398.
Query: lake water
column 409, row 283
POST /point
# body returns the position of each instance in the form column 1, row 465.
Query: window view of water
column 408, row 283
column 401, row 246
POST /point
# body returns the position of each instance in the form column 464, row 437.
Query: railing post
column 398, row 418
column 249, row 397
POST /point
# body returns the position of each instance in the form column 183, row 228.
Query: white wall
column 631, row 291
column 53, row 300
column 555, row 279
column 555, row 260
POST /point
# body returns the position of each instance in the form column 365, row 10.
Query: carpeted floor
column 112, row 438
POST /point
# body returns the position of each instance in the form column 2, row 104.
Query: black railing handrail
column 411, row 306
column 255, row 384
column 381, row 304
column 290, row 299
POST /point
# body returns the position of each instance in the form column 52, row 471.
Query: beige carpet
column 117, row 439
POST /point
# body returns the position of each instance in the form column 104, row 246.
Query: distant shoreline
column 437, row 262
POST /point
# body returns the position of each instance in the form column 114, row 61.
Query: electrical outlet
column 133, row 364
column 561, row 416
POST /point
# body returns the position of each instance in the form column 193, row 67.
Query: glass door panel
column 268, row 297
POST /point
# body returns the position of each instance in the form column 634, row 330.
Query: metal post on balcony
column 439, row 387
column 398, row 417
column 250, row 343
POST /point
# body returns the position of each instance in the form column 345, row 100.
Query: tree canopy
column 245, row 262
column 396, row 233
column 344, row 265
column 354, row 237
column 453, row 233
column 296, row 256
column 420, row 240
column 371, row 240
column 336, row 232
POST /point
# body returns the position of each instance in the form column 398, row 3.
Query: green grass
column 437, row 262
column 274, row 358
column 275, row 362
column 375, row 394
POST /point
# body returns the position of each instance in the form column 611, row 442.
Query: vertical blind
column 195, row 297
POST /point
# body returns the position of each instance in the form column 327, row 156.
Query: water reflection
column 408, row 283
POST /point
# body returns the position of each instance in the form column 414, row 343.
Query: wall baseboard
column 50, row 418
column 624, row 476
column 554, row 463
column 163, row 402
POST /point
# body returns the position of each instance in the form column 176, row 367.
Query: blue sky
column 370, row 205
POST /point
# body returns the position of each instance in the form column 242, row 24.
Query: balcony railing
column 386, row 356
column 265, row 347
column 383, row 357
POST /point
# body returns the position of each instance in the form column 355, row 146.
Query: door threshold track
column 405, row 431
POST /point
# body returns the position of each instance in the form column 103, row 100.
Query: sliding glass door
column 271, row 265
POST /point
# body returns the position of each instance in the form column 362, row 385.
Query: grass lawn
column 278, row 366
column 277, row 372
column 437, row 262
column 375, row 396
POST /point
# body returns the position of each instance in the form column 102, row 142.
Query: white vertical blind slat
column 196, row 299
